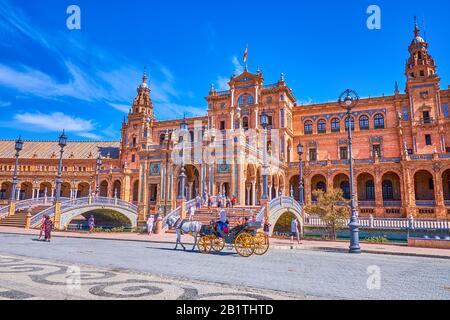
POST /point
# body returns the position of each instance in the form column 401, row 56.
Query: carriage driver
column 223, row 222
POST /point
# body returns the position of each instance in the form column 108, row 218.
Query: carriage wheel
column 218, row 244
column 204, row 244
column 244, row 245
column 261, row 243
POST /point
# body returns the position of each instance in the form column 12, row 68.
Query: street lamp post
column 62, row 143
column 99, row 165
column 301, row 186
column 264, row 120
column 18, row 147
column 348, row 100
column 166, row 142
column 183, row 130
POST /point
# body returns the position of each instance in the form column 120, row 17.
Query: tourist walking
column 48, row 227
column 228, row 203
column 210, row 202
column 266, row 227
column 295, row 231
column 91, row 224
column 150, row 223
column 233, row 201
column 198, row 202
column 42, row 229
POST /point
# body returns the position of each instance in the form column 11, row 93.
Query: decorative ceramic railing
column 285, row 202
column 83, row 202
column 176, row 213
column 398, row 224
column 261, row 214
column 25, row 204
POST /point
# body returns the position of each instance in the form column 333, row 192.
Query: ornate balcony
column 366, row 204
column 392, row 204
column 426, row 203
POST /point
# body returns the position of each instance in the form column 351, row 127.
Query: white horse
column 186, row 227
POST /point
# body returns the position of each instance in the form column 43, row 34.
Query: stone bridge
column 76, row 207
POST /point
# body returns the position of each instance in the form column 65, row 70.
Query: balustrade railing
column 82, row 202
column 176, row 213
column 397, row 224
column 261, row 214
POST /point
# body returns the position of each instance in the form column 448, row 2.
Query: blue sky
column 85, row 80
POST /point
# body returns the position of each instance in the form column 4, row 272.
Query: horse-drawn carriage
column 244, row 238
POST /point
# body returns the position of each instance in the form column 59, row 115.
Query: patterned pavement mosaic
column 35, row 279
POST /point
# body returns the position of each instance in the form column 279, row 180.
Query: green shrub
column 377, row 240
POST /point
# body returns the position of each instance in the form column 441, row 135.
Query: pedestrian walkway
column 275, row 244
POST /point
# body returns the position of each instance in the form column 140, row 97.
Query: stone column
column 379, row 205
column 253, row 201
column 441, row 212
column 307, row 187
column 410, row 194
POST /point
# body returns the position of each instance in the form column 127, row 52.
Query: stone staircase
column 19, row 219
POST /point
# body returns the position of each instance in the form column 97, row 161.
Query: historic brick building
column 401, row 149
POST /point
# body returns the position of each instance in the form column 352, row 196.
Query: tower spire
column 416, row 27
column 144, row 77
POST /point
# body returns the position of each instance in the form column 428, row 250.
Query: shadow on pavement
column 194, row 252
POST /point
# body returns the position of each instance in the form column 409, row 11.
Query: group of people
column 46, row 229
column 221, row 201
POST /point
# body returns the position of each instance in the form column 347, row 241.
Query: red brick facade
column 401, row 148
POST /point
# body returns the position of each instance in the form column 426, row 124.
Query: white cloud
column 109, row 78
column 174, row 110
column 5, row 104
column 120, row 107
column 13, row 20
column 55, row 122
column 37, row 83
column 89, row 135
column 222, row 83
column 237, row 65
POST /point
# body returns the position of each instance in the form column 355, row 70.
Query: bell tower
column 422, row 87
column 137, row 128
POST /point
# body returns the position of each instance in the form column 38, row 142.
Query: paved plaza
column 123, row 269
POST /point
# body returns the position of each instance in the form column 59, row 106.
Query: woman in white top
column 150, row 222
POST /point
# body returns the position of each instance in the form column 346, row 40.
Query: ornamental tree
column 332, row 208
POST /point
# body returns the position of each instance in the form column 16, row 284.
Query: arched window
column 364, row 123
column 245, row 123
column 370, row 190
column 335, row 125
column 321, row 186
column 345, row 187
column 322, row 126
column 246, row 99
column 350, row 123
column 388, row 190
column 379, row 121
column 308, row 127
column 191, row 136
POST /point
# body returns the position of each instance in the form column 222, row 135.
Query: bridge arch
column 72, row 213
column 279, row 206
column 76, row 207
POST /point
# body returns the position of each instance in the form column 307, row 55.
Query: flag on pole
column 245, row 55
